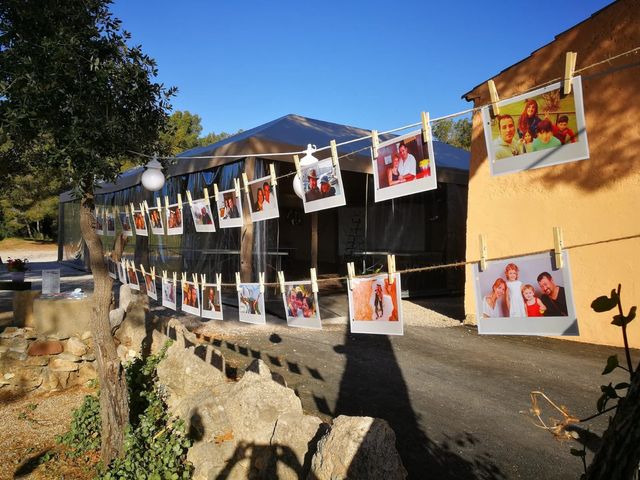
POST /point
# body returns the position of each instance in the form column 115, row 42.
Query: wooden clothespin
column 261, row 280
column 159, row 203
column 558, row 245
column 175, row 279
column 375, row 141
column 281, row 281
column 494, row 97
column 245, row 183
column 238, row 287
column 215, row 192
column 194, row 277
column 314, row 280
column 391, row 268
column 142, row 208
column 142, row 270
column 180, row 200
column 334, row 153
column 483, row 252
column 569, row 68
column 189, row 197
column 126, row 209
column 153, row 273
column 164, row 276
column 236, row 185
column 183, row 278
column 296, row 161
column 203, row 278
column 219, row 282
column 426, row 131
column 205, row 192
column 272, row 172
column 351, row 274
column 145, row 206
column 133, row 210
column 166, row 202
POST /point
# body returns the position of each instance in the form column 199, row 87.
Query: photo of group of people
column 211, row 302
column 150, row 284
column 301, row 305
column 190, row 298
column 125, row 222
column 173, row 216
column 169, row 293
column 537, row 129
column 229, row 209
column 404, row 166
column 111, row 224
column 322, row 186
column 263, row 203
column 375, row 305
column 525, row 296
column 155, row 220
column 202, row 215
column 140, row 223
column 132, row 277
column 251, row 304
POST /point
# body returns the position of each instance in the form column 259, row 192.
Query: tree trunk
column 114, row 402
column 619, row 452
column 246, row 240
column 29, row 230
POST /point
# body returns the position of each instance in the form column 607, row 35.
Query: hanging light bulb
column 153, row 179
column 308, row 159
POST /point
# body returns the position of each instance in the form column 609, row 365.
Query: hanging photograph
column 536, row 129
column 140, row 223
column 155, row 220
column 150, row 285
column 202, row 215
column 525, row 296
column 321, row 186
column 132, row 277
column 229, row 208
column 168, row 293
column 301, row 305
column 99, row 222
column 174, row 219
column 211, row 301
column 110, row 223
column 251, row 303
column 122, row 272
column 125, row 221
column 190, row 298
column 112, row 268
column 263, row 203
column 375, row 305
column 404, row 166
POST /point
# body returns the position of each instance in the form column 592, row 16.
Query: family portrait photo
column 263, row 203
column 211, row 302
column 168, row 293
column 375, row 305
column 190, row 298
column 140, row 223
column 155, row 221
column 251, row 304
column 404, row 166
column 525, row 296
column 150, row 285
column 125, row 222
column 322, row 186
column 229, row 209
column 538, row 129
column 173, row 216
column 202, row 215
column 110, row 222
column 301, row 305
column 132, row 277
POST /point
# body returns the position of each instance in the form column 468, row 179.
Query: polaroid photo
column 202, row 215
column 132, row 277
column 190, row 298
column 173, row 216
column 112, row 268
column 537, row 129
column 404, row 166
column 375, row 305
column 125, row 222
column 155, row 220
column 99, row 222
column 122, row 272
column 110, row 221
column 263, row 202
column 168, row 293
column 150, row 284
column 140, row 223
column 211, row 301
column 301, row 305
column 321, row 186
column 525, row 296
column 251, row 304
column 229, row 208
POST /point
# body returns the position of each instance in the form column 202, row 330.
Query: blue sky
column 374, row 65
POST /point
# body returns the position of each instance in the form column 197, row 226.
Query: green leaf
column 621, row 386
column 604, row 303
column 578, row 453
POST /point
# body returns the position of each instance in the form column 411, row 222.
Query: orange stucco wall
column 596, row 201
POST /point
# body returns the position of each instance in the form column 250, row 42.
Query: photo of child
column 168, row 293
column 514, row 298
column 375, row 305
column 211, row 302
column 150, row 285
column 251, row 304
column 155, row 221
column 301, row 305
column 173, row 216
column 535, row 307
column 190, row 298
column 140, row 223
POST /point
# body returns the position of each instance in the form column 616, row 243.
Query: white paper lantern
column 308, row 159
column 153, row 179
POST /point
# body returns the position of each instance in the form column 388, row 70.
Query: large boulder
column 357, row 448
column 45, row 347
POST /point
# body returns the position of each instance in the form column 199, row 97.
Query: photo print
column 251, row 304
column 125, row 222
column 322, row 186
column 263, row 203
column 404, row 166
column 110, row 222
column 229, row 209
column 301, row 305
column 132, row 277
column 174, row 219
column 99, row 222
column 122, row 272
column 375, row 305
column 140, row 223
column 112, row 268
column 168, row 293
column 525, row 296
column 211, row 301
column 202, row 215
column 190, row 298
column 536, row 129
column 150, row 285
column 155, row 220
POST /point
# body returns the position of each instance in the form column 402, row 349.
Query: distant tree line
column 455, row 133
